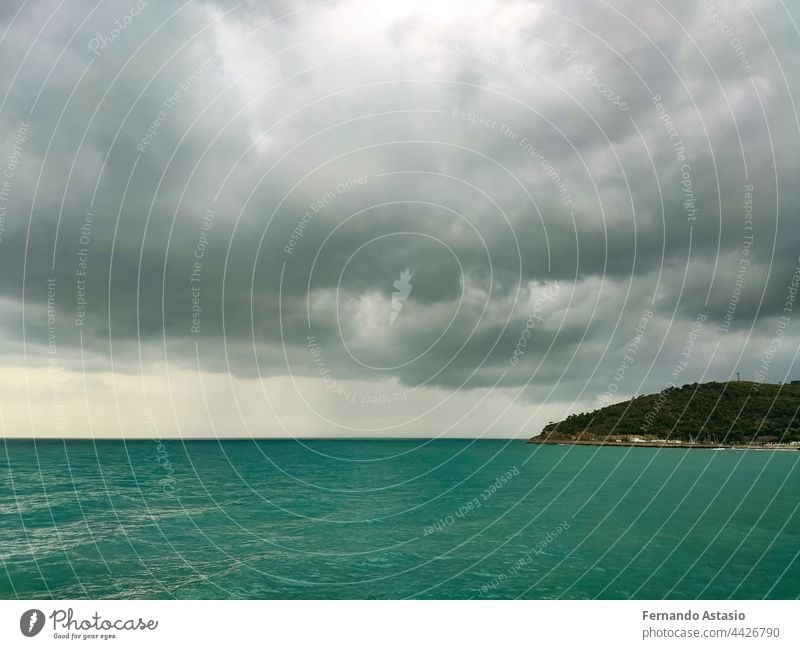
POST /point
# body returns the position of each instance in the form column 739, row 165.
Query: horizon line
column 241, row 439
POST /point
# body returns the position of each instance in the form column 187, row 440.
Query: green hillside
column 737, row 412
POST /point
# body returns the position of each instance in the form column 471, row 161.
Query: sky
column 389, row 219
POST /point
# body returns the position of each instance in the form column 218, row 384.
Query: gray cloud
column 482, row 149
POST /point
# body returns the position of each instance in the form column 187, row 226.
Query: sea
column 394, row 519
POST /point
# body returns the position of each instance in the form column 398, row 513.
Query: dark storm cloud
column 478, row 152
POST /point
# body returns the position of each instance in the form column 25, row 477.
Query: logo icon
column 402, row 290
column 31, row 622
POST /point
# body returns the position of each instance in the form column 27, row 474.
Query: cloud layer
column 229, row 193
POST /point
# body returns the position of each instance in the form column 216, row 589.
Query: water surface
column 395, row 519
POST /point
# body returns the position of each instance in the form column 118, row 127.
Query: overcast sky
column 208, row 210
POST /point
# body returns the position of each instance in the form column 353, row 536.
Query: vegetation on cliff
column 737, row 412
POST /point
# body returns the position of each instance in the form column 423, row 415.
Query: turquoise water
column 395, row 519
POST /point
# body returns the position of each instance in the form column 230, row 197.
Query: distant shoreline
column 741, row 447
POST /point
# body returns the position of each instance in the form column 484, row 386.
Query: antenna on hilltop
column 737, row 377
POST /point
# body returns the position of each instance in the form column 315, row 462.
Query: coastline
column 659, row 444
